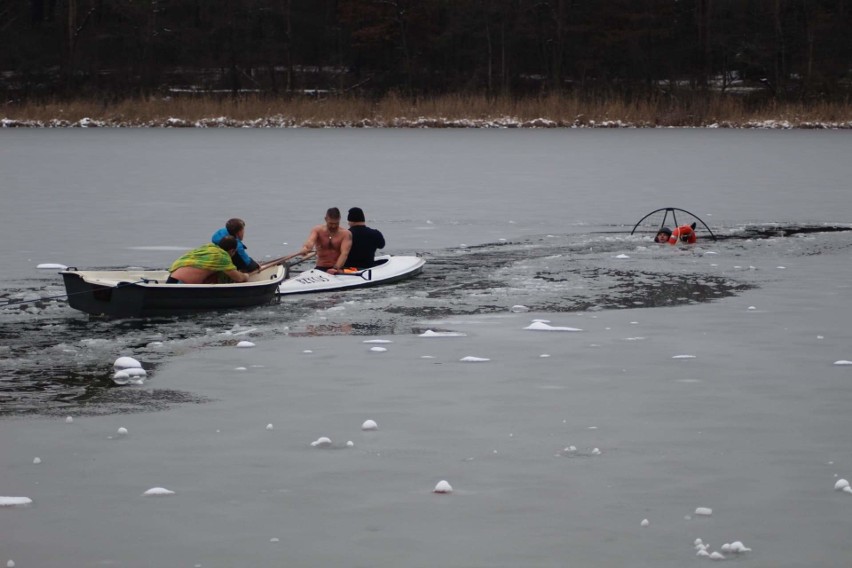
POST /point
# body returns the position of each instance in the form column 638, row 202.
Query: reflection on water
column 54, row 360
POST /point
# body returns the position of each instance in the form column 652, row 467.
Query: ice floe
column 472, row 359
column 541, row 326
column 134, row 376
column 430, row 333
column 841, row 485
column 736, row 547
column 519, row 308
column 843, row 362
column 703, row 511
column 622, row 256
column 51, row 266
column 321, row 442
column 369, row 425
column 378, row 349
column 270, row 427
column 683, row 356
column 69, row 419
column 15, row 501
column 158, row 492
column 36, row 460
column 644, row 523
column 378, row 341
column 126, row 363
column 122, row 431
column 443, row 487
column 245, row 344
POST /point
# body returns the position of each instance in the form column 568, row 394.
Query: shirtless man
column 332, row 243
column 204, row 264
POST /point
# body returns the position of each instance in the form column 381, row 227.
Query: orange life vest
column 684, row 234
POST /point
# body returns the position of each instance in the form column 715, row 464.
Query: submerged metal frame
column 674, row 218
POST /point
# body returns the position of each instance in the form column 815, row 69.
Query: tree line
column 781, row 49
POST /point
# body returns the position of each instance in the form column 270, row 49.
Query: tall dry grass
column 685, row 110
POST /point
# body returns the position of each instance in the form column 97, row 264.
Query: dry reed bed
column 446, row 111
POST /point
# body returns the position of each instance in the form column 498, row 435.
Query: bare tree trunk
column 504, row 79
column 704, row 8
column 288, row 44
column 779, row 49
column 490, row 53
column 403, row 33
column 72, row 36
column 559, row 48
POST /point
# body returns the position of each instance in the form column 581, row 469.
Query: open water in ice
column 503, row 217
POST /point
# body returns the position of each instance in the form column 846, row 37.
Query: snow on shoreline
column 280, row 121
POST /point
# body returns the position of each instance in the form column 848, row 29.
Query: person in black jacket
column 365, row 240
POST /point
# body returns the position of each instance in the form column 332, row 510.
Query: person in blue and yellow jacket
column 237, row 229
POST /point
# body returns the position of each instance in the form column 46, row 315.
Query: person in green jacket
column 205, row 264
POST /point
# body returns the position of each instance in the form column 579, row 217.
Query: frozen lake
column 709, row 377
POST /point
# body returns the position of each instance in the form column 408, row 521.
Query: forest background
column 651, row 62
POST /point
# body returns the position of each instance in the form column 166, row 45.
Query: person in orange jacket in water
column 683, row 234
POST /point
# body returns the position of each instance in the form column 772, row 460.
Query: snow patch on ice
column 15, row 501
column 541, row 326
column 158, row 492
column 430, row 333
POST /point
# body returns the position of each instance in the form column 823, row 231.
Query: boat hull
column 389, row 269
column 127, row 293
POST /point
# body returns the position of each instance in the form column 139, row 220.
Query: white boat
column 387, row 269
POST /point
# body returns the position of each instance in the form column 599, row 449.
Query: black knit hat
column 356, row 215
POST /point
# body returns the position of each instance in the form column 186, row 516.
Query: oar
column 282, row 260
column 301, row 260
